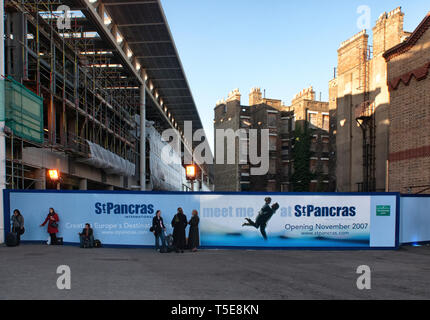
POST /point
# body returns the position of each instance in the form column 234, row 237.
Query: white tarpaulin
column 108, row 161
column 167, row 172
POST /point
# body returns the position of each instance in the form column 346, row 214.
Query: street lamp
column 54, row 175
column 191, row 174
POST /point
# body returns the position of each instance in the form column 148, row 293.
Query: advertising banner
column 226, row 219
column 116, row 218
column 298, row 221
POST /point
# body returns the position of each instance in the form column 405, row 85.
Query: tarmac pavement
column 30, row 272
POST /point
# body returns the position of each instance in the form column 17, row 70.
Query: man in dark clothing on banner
column 263, row 217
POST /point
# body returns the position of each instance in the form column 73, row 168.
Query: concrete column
column 51, row 120
column 40, row 184
column 83, row 184
column 142, row 173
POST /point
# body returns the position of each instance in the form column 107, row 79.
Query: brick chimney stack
column 255, row 96
column 388, row 31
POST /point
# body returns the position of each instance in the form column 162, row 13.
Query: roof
column 144, row 27
column 410, row 41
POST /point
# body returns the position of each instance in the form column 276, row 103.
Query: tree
column 302, row 175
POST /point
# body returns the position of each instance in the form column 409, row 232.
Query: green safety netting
column 22, row 110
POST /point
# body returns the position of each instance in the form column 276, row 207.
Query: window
column 313, row 165
column 271, row 186
column 271, row 120
column 273, row 140
column 245, row 187
column 325, row 167
column 313, row 186
column 284, row 187
column 313, row 119
column 326, row 122
column 272, row 166
column 245, row 123
column 286, row 170
column 285, row 125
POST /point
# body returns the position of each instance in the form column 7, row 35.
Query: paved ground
column 29, row 272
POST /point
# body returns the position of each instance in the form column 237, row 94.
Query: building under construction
column 84, row 80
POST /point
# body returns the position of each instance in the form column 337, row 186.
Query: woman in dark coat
column 17, row 225
column 179, row 223
column 193, row 236
column 52, row 225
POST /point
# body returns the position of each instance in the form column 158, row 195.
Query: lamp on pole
column 54, row 176
column 191, row 173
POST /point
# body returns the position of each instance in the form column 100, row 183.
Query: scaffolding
column 87, row 97
column 92, row 84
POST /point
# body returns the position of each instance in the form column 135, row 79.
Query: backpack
column 11, row 239
column 97, row 243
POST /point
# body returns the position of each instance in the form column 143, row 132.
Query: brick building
column 281, row 121
column 359, row 106
column 409, row 84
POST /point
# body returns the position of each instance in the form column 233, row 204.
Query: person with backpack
column 86, row 237
column 17, row 225
column 53, row 219
column 158, row 228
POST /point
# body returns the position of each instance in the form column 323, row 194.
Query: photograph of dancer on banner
column 263, row 217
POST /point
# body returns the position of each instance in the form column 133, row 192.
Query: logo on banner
column 123, row 209
column 383, row 211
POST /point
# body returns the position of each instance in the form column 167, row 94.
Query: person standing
column 17, row 225
column 52, row 225
column 193, row 236
column 179, row 224
column 159, row 228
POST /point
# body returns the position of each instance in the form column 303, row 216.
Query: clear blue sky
column 282, row 46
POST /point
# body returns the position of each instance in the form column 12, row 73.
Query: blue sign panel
column 226, row 219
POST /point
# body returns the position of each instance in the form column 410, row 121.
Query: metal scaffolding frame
column 89, row 83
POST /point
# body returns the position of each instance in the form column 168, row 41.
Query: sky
column 282, row 46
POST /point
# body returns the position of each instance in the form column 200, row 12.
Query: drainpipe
column 142, row 172
column 2, row 124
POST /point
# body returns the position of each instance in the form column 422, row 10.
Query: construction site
column 90, row 86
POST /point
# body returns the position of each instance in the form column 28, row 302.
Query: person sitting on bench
column 87, row 237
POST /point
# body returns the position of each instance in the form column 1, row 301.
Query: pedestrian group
column 177, row 242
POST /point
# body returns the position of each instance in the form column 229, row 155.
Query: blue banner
column 226, row 219
column 299, row 220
